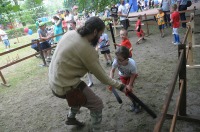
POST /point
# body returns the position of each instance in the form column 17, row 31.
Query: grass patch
column 18, row 73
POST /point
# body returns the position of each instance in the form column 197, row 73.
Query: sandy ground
column 30, row 106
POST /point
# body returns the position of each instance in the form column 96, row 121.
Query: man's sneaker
column 173, row 42
column 73, row 121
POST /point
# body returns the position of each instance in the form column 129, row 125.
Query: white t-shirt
column 126, row 71
column 70, row 17
column 103, row 41
column 123, row 10
column 4, row 35
column 127, row 6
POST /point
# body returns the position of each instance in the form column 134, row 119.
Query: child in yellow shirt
column 161, row 22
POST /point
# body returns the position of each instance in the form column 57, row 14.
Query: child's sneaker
column 132, row 108
column 177, row 43
column 107, row 63
column 137, row 109
column 173, row 42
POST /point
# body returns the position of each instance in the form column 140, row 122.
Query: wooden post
column 192, row 28
column 189, row 41
column 41, row 52
column 4, row 81
column 194, row 10
column 147, row 26
column 182, row 76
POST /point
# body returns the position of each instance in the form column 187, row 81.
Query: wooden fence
column 180, row 108
column 4, row 82
column 148, row 19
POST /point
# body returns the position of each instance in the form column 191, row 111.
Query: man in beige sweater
column 74, row 56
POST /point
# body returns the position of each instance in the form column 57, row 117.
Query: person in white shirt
column 127, row 5
column 68, row 18
column 123, row 12
column 4, row 38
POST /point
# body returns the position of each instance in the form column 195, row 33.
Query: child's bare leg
column 110, row 58
column 139, row 39
column 143, row 34
column 48, row 53
column 45, row 54
column 162, row 32
column 105, row 56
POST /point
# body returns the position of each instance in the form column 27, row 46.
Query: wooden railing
column 26, row 57
column 180, row 108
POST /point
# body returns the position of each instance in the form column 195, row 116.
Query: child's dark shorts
column 161, row 26
column 45, row 45
column 105, row 52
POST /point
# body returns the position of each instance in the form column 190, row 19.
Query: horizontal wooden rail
column 17, row 61
column 29, row 44
column 185, row 11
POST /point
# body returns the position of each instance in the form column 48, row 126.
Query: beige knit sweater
column 73, row 58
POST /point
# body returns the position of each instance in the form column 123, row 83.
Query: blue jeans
column 182, row 15
column 6, row 43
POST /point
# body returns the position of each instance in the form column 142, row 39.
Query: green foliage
column 18, row 32
column 89, row 5
column 15, row 32
column 30, row 16
column 5, row 8
column 31, row 4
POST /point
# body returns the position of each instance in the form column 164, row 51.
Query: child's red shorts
column 124, row 80
column 139, row 34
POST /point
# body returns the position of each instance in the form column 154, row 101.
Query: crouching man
column 73, row 58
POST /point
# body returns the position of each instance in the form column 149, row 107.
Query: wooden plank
column 193, row 66
column 194, row 46
column 177, row 107
column 182, row 76
column 17, row 61
column 29, row 44
column 147, row 26
column 189, row 118
column 4, row 81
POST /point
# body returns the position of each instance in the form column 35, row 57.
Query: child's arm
column 58, row 22
column 112, row 71
column 132, row 79
column 130, row 49
column 117, row 44
column 97, row 47
column 107, row 43
column 171, row 21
